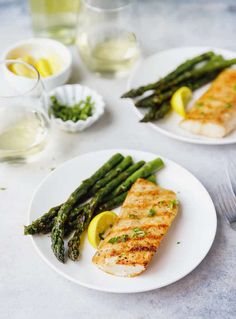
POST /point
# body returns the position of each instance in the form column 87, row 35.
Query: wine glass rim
column 104, row 9
column 37, row 78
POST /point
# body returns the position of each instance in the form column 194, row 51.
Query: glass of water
column 55, row 19
column 106, row 39
column 24, row 124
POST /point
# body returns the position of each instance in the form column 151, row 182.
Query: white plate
column 157, row 66
column 194, row 227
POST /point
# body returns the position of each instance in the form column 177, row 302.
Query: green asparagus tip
column 26, row 231
column 155, row 165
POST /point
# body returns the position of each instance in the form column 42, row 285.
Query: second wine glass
column 106, row 39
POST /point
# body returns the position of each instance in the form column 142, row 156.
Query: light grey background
column 28, row 287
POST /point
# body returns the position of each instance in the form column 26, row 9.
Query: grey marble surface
column 28, row 287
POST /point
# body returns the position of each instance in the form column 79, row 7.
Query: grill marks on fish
column 139, row 237
column 214, row 113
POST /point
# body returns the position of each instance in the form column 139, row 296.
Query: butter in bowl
column 74, row 107
column 49, row 57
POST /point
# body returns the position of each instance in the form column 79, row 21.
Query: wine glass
column 24, row 123
column 106, row 39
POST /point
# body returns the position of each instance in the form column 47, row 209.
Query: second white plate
column 157, row 66
column 184, row 247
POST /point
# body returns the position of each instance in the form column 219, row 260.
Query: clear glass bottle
column 24, row 123
column 106, row 39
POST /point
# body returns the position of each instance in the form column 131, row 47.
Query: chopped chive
column 178, row 242
column 228, row 105
column 79, row 111
column 3, row 188
column 151, row 212
column 173, row 203
column 118, row 239
column 137, row 232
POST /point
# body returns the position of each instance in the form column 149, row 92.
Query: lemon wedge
column 43, row 67
column 180, row 99
column 99, row 225
column 21, row 69
column 28, row 59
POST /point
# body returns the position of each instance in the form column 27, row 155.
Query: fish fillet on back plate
column 146, row 216
column 214, row 113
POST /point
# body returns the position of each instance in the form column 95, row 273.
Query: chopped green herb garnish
column 137, row 232
column 133, row 216
column 178, row 242
column 113, row 240
column 124, row 238
column 52, row 168
column 118, row 239
column 74, row 113
column 151, row 212
column 228, row 105
column 173, row 203
column 2, row 188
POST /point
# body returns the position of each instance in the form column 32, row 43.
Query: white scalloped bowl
column 71, row 94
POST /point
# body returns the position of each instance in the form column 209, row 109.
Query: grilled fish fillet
column 146, row 216
column 214, row 113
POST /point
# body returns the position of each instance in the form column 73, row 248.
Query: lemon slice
column 21, row 69
column 44, row 68
column 99, row 225
column 180, row 99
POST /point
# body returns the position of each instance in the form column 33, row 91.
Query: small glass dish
column 71, row 94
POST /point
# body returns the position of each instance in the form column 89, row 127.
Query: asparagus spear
column 143, row 172
column 127, row 161
column 186, row 66
column 85, row 217
column 58, row 228
column 156, row 114
column 42, row 224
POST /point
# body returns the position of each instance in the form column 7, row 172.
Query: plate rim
column 202, row 140
column 112, row 290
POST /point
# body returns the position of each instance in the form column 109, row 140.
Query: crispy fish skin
column 214, row 113
column 146, row 215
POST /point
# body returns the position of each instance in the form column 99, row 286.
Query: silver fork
column 227, row 202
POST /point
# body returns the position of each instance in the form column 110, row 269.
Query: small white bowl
column 38, row 48
column 71, row 94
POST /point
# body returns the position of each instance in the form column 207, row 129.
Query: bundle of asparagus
column 192, row 73
column 106, row 189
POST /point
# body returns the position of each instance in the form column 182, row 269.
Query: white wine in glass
column 106, row 40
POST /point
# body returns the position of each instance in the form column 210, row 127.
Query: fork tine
column 227, row 202
column 231, row 172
